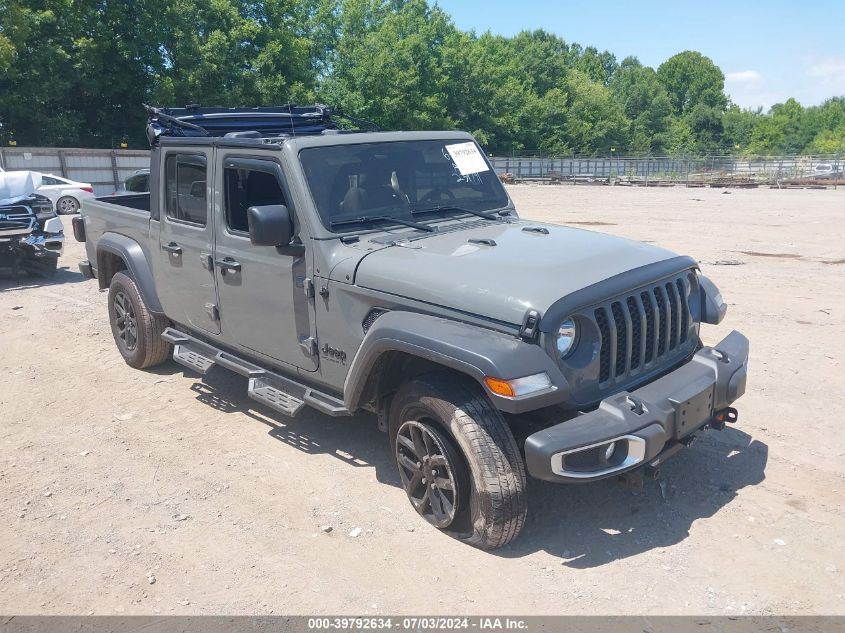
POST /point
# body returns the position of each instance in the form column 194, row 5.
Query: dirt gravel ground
column 133, row 492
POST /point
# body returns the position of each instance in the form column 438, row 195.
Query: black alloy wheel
column 125, row 320
column 427, row 467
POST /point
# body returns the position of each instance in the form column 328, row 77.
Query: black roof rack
column 271, row 123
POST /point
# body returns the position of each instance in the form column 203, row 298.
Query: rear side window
column 185, row 185
column 247, row 188
column 138, row 183
column 49, row 180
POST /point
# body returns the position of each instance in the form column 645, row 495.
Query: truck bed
column 123, row 215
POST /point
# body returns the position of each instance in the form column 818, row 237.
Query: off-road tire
column 149, row 348
column 492, row 512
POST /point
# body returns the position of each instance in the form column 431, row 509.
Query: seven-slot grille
column 643, row 328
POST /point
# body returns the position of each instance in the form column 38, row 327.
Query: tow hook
column 632, row 480
column 652, row 472
column 729, row 416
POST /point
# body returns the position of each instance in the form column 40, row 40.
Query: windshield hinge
column 530, row 329
column 212, row 311
column 309, row 345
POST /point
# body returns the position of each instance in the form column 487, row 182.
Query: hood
column 16, row 185
column 523, row 270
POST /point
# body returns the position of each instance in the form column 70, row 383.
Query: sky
column 769, row 51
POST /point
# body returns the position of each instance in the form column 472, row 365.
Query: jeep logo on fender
column 332, row 353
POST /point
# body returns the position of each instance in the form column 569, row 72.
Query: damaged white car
column 31, row 235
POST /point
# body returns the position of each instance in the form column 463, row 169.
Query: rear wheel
column 458, row 461
column 136, row 330
column 67, row 205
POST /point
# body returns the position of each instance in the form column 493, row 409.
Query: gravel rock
column 326, row 528
column 356, row 532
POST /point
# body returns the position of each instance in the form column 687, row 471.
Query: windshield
column 395, row 179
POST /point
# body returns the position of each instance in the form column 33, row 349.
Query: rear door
column 263, row 303
column 186, row 286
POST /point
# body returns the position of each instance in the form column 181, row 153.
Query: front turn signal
column 518, row 386
column 499, row 387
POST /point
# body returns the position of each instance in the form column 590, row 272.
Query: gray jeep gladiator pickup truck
column 390, row 272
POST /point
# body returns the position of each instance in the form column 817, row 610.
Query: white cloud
column 745, row 78
column 748, row 89
column 830, row 72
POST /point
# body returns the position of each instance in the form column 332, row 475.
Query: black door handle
column 172, row 247
column 227, row 263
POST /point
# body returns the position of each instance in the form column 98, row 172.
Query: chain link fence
column 717, row 171
column 107, row 169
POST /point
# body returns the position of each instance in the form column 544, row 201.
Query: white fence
column 105, row 169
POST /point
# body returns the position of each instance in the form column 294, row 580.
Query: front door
column 263, row 305
column 187, row 291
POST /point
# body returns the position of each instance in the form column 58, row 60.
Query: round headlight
column 566, row 336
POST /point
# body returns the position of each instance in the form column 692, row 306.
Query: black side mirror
column 270, row 225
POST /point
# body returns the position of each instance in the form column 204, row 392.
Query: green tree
column 738, row 125
column 390, row 64
column 595, row 122
column 829, row 141
column 645, row 102
column 680, row 140
column 232, row 52
column 696, row 88
column 38, row 77
column 692, row 79
column 781, row 132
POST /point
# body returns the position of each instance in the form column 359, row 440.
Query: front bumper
column 645, row 424
column 33, row 245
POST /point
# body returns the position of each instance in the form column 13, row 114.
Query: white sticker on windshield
column 467, row 158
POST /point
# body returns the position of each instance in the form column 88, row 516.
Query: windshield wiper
column 371, row 219
column 450, row 207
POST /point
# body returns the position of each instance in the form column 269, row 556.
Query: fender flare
column 136, row 262
column 471, row 350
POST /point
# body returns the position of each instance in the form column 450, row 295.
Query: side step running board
column 278, row 392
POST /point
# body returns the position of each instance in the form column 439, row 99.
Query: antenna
column 292, row 124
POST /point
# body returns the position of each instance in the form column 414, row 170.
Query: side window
column 49, row 180
column 185, row 183
column 245, row 188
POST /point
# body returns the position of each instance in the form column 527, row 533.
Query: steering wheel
column 437, row 194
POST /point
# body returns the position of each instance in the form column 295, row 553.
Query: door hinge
column 213, row 312
column 207, row 261
column 308, row 287
column 309, row 345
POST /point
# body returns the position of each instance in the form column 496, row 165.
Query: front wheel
column 458, row 461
